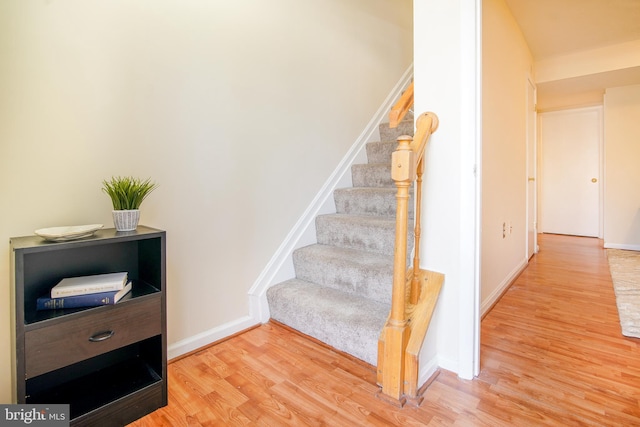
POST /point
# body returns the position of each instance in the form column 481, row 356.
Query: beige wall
column 506, row 67
column 622, row 170
column 599, row 60
column 239, row 109
column 579, row 79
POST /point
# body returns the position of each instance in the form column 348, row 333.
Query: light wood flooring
column 552, row 354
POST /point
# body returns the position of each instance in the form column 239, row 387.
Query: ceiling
column 558, row 27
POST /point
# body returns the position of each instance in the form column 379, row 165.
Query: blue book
column 88, row 300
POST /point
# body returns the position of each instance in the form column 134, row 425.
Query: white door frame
column 532, row 168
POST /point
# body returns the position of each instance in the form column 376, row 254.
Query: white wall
column 506, row 65
column 622, row 171
column 239, row 109
column 446, row 58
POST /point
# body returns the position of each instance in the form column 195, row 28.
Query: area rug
column 625, row 273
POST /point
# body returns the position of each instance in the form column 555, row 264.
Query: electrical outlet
column 504, row 230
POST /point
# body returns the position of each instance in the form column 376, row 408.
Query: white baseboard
column 622, row 246
column 280, row 267
column 446, row 364
column 206, row 338
column 486, row 305
column 427, row 370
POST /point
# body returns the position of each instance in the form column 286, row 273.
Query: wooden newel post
column 403, row 334
column 403, row 172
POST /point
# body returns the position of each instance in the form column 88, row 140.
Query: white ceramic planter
column 126, row 220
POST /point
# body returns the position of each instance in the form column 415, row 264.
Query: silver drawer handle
column 101, row 336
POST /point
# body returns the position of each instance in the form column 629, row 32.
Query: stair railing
column 401, row 107
column 415, row 291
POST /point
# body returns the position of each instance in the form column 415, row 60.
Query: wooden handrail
column 426, row 124
column 415, row 291
column 402, row 107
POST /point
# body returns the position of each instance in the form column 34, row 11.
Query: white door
column 531, row 170
column 571, row 142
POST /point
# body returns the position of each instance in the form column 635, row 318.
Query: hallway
column 552, row 348
column 552, row 354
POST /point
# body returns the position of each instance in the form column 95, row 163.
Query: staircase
column 341, row 294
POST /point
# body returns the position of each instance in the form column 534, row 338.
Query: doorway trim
column 532, row 170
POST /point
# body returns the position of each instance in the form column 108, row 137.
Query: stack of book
column 87, row 291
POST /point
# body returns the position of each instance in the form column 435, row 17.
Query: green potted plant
column 127, row 194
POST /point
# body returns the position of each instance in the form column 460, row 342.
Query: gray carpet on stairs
column 341, row 294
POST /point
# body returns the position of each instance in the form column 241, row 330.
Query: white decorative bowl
column 72, row 232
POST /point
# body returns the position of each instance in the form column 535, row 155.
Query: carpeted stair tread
column 342, row 320
column 405, row 127
column 380, row 152
column 372, row 175
column 349, row 270
column 380, row 201
column 362, row 232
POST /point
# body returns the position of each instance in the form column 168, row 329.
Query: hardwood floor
column 552, row 354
